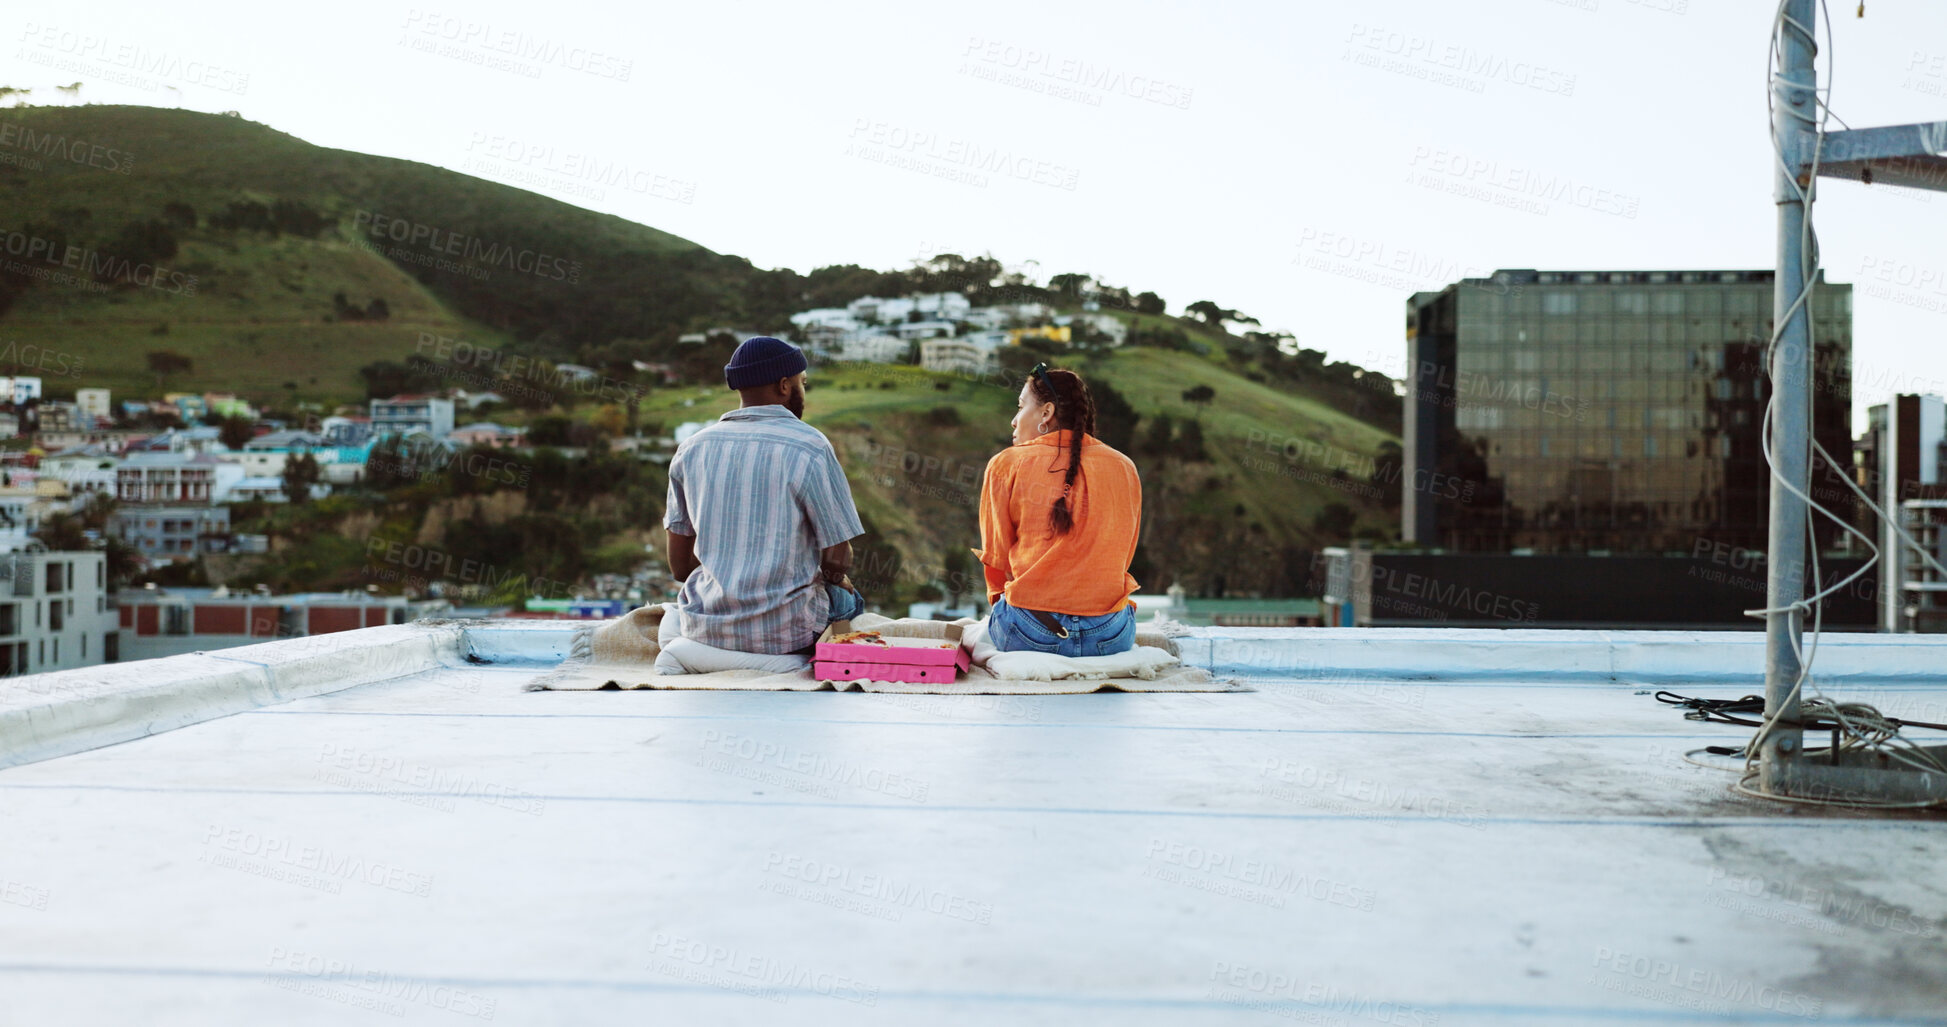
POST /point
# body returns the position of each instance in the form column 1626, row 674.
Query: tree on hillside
column 1212, row 314
column 163, row 363
column 610, row 419
column 234, row 431
column 387, row 378
column 1149, row 303
column 1335, row 522
column 1189, row 443
column 1215, row 316
column 1199, row 396
column 1156, row 442
column 1277, row 342
column 1386, row 473
column 548, row 431
column 180, row 214
column 144, row 242
column 1115, row 419
column 958, row 574
column 1069, row 285
column 300, row 473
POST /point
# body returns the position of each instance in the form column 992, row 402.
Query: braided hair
column 1074, row 411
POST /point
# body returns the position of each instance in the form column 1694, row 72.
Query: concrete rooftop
column 1356, row 842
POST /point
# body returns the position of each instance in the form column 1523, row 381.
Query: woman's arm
column 997, row 527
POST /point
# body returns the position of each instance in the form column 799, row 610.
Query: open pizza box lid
column 898, row 649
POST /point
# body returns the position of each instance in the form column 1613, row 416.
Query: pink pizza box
column 900, row 659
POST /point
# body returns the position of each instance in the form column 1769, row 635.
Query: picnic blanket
column 621, row 654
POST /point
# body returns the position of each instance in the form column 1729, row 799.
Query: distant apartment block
column 94, row 402
column 266, row 456
column 20, row 388
column 878, row 349
column 165, row 477
column 173, row 532
column 403, row 415
column 1902, row 464
column 54, row 612
column 25, row 506
column 487, row 433
column 169, row 622
column 87, row 469
column 1606, row 411
column 956, row 356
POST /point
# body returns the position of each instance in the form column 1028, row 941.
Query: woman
column 1059, row 512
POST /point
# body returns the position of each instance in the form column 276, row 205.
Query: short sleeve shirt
column 763, row 493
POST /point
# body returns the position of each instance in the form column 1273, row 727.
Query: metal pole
column 1791, row 362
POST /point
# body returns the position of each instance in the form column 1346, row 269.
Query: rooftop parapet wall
column 1726, row 658
column 47, row 715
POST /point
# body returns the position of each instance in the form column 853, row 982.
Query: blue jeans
column 1013, row 630
column 846, row 603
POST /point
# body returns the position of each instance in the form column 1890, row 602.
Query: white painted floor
column 446, row 848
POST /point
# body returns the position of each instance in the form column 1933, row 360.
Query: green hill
column 261, row 230
column 287, row 267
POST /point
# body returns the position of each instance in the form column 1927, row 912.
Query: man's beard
column 795, row 403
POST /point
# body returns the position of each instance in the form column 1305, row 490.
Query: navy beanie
column 761, row 360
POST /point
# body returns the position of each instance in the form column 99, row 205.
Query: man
column 760, row 522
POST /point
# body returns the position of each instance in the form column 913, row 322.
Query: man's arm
column 682, row 556
column 676, row 520
column 825, row 498
column 834, row 562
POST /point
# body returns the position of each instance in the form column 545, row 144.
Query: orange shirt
column 1085, row 572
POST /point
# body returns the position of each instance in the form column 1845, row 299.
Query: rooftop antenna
column 1894, row 155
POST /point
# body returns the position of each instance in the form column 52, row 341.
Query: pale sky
column 1308, row 163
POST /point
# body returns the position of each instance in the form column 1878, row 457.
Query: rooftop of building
column 1404, row 827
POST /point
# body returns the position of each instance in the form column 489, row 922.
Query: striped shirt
column 763, row 493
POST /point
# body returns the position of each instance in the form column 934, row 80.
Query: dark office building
column 1606, row 411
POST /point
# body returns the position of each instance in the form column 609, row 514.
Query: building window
column 1558, row 302
column 55, row 618
column 1649, row 445
column 1632, row 301
column 57, row 650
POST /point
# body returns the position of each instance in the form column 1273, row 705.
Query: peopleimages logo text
column 98, row 266
column 466, row 247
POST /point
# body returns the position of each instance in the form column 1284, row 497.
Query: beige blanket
column 621, row 654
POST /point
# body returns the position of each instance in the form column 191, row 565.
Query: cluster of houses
column 174, row 486
column 943, row 331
